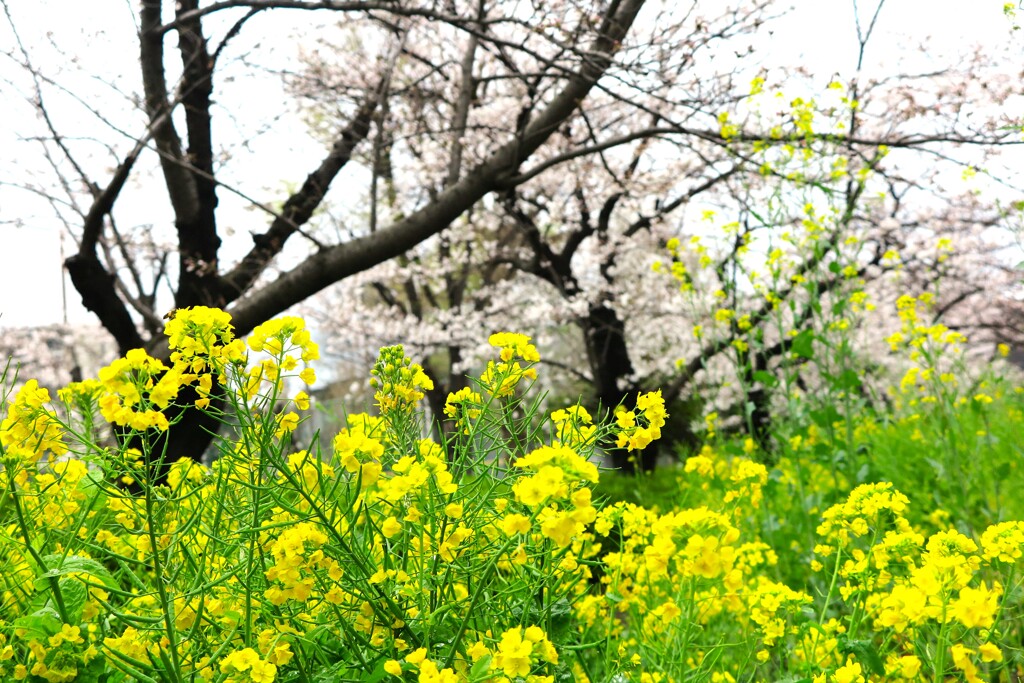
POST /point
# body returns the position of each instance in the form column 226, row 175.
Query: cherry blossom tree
column 544, row 60
column 572, row 245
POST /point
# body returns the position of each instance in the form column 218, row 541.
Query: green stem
column 53, row 582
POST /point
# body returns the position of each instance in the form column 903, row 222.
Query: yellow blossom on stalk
column 513, row 523
column 133, row 392
column 561, row 527
column 548, row 482
column 770, row 605
column 295, row 553
column 354, row 446
column 851, row 672
column 747, row 478
column 399, row 383
column 462, row 406
column 866, row 503
column 450, row 547
column 990, row 652
column 903, row 607
column 430, row 673
column 573, row 426
column 1003, row 542
column 277, row 335
column 184, row 470
column 246, row 665
column 639, row 427
column 30, row 429
column 514, row 345
column 202, row 338
column 574, row 466
column 301, row 400
column 949, row 562
column 391, row 527
column 130, row 643
column 83, row 393
column 702, row 464
column 962, row 660
column 518, row 649
column 976, row 607
column 501, row 378
column 906, row 667
column 286, row 424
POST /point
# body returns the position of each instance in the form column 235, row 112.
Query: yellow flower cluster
column 555, row 491
column 639, row 427
column 246, row 665
column 137, row 388
column 463, row 406
column 574, row 426
column 445, row 562
column 915, row 335
column 30, row 429
column 281, row 339
column 399, row 382
column 501, row 378
column 355, row 447
column 202, row 345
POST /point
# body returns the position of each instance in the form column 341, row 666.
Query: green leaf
column 560, row 620
column 43, row 623
column 378, row 673
column 766, row 378
column 75, row 564
column 847, row 380
column 75, row 595
column 803, row 344
column 332, row 673
column 480, row 668
column 825, row 417
column 865, row 652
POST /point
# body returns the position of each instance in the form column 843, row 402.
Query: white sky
column 818, row 34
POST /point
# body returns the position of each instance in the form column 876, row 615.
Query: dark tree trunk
column 604, row 333
column 189, row 437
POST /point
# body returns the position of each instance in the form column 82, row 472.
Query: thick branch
column 336, row 263
column 99, row 295
column 300, row 206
